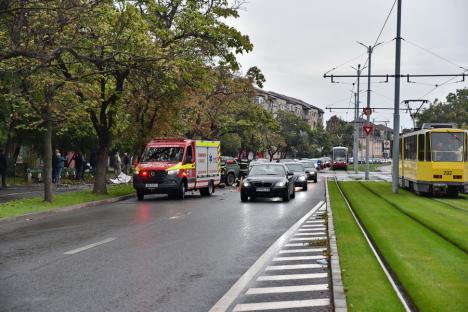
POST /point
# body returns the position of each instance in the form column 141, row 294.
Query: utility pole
column 369, row 52
column 396, row 106
column 356, row 127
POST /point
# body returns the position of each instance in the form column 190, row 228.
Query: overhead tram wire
column 435, row 54
column 347, row 62
column 382, row 29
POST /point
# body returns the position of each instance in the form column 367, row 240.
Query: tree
column 297, row 135
column 453, row 110
column 340, row 132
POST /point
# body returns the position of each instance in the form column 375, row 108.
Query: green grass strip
column 432, row 270
column 366, row 285
column 450, row 223
column 461, row 202
column 35, row 204
column 362, row 167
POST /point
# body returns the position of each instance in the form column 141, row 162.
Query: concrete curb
column 339, row 296
column 43, row 214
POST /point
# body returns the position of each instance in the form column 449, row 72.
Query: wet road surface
column 156, row 255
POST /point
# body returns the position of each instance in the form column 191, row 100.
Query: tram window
column 410, row 147
column 428, row 147
column 421, row 147
column 447, row 146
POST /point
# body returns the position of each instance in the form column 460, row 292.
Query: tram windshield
column 339, row 154
column 447, row 146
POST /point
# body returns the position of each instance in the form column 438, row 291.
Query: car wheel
column 304, row 187
column 315, row 180
column 140, row 195
column 244, row 197
column 181, row 191
column 230, row 179
column 207, row 191
column 293, row 195
column 286, row 198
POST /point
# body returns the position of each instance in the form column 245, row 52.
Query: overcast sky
column 297, row 41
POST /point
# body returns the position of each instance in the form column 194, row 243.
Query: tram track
column 404, row 298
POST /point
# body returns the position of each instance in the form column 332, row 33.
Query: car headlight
column 302, row 178
column 280, row 184
column 246, row 184
column 173, row 172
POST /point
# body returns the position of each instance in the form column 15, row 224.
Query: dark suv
column 230, row 170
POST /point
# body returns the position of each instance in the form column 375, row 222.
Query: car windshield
column 163, row 154
column 308, row 164
column 447, row 146
column 295, row 167
column 258, row 170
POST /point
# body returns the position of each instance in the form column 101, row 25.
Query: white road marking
column 274, row 305
column 309, row 233
column 293, row 267
column 301, row 250
column 286, row 289
column 308, row 238
column 313, row 226
column 297, row 245
column 315, row 221
column 298, row 258
column 312, row 229
column 75, row 251
column 236, row 289
column 287, row 277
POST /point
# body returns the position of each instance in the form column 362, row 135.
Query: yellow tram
column 434, row 160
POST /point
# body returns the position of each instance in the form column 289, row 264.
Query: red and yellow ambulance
column 176, row 165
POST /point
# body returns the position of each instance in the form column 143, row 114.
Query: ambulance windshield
column 163, row 154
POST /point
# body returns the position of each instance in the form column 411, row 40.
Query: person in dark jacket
column 3, row 167
column 59, row 164
column 79, row 163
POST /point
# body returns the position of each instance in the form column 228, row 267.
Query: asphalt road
column 156, row 255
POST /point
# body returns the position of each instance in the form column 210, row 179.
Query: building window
column 259, row 99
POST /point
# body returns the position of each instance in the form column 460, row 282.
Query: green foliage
column 453, row 110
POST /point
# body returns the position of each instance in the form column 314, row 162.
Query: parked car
column 310, row 170
column 230, row 170
column 300, row 176
column 268, row 180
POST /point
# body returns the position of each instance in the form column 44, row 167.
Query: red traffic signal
column 368, row 129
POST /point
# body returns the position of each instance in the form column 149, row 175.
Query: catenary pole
column 369, row 51
column 356, row 124
column 396, row 105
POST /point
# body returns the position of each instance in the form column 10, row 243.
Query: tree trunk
column 100, row 179
column 47, row 172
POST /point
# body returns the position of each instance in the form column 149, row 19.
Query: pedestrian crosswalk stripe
column 274, row 305
column 313, row 226
column 298, row 258
column 309, row 233
column 301, row 250
column 315, row 221
column 308, row 238
column 286, row 289
column 286, row 277
column 312, row 229
column 296, row 245
column 292, row 267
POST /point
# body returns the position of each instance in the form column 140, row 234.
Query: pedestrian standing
column 59, row 164
column 78, row 158
column 126, row 163
column 3, row 168
column 117, row 163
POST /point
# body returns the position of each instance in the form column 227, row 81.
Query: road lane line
column 293, row 267
column 287, row 277
column 275, row 305
column 286, row 289
column 298, row 258
column 75, row 251
column 301, row 250
column 231, row 295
